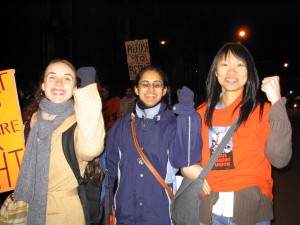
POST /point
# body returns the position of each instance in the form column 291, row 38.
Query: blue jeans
column 222, row 220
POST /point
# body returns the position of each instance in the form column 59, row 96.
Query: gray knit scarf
column 32, row 185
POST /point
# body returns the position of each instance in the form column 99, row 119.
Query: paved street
column 287, row 181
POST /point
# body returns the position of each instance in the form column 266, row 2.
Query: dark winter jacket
column 170, row 142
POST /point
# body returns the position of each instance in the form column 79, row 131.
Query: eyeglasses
column 155, row 84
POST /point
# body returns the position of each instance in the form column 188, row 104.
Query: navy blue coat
column 170, row 142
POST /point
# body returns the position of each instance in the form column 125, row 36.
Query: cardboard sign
column 138, row 56
column 11, row 131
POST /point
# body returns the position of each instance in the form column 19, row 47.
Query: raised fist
column 186, row 96
column 87, row 75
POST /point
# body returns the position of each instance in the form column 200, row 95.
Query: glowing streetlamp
column 242, row 34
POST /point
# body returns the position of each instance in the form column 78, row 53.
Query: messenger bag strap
column 147, row 162
column 69, row 151
column 218, row 150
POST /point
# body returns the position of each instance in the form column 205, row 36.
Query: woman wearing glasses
column 169, row 141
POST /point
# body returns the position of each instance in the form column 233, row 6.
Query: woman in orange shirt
column 240, row 181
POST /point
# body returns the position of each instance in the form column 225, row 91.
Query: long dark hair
column 167, row 97
column 251, row 95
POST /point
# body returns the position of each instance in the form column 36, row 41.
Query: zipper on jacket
column 144, row 116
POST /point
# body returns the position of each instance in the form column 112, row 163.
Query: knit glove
column 186, row 96
column 87, row 75
column 186, row 102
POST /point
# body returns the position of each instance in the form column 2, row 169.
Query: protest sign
column 138, row 56
column 11, row 137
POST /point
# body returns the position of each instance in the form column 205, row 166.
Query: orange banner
column 11, row 135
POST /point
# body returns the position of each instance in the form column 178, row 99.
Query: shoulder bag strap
column 148, row 163
column 69, row 151
column 68, row 148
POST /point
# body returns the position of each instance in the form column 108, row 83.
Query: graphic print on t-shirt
column 225, row 160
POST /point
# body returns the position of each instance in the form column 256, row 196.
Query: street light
column 242, row 34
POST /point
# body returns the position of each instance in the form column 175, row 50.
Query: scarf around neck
column 32, row 184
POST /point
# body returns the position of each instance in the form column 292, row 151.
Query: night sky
column 194, row 30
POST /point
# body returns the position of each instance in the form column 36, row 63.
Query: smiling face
column 59, row 82
column 150, row 88
column 232, row 74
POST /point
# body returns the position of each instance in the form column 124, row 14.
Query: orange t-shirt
column 243, row 162
column 111, row 111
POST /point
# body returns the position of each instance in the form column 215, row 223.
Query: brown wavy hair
column 33, row 105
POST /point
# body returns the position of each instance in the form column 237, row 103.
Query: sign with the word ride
column 11, row 128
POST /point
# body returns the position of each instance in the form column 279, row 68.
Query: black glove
column 186, row 96
column 87, row 75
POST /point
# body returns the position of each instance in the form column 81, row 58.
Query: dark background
column 93, row 32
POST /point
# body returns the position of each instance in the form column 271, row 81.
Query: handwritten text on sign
column 138, row 56
column 11, row 137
